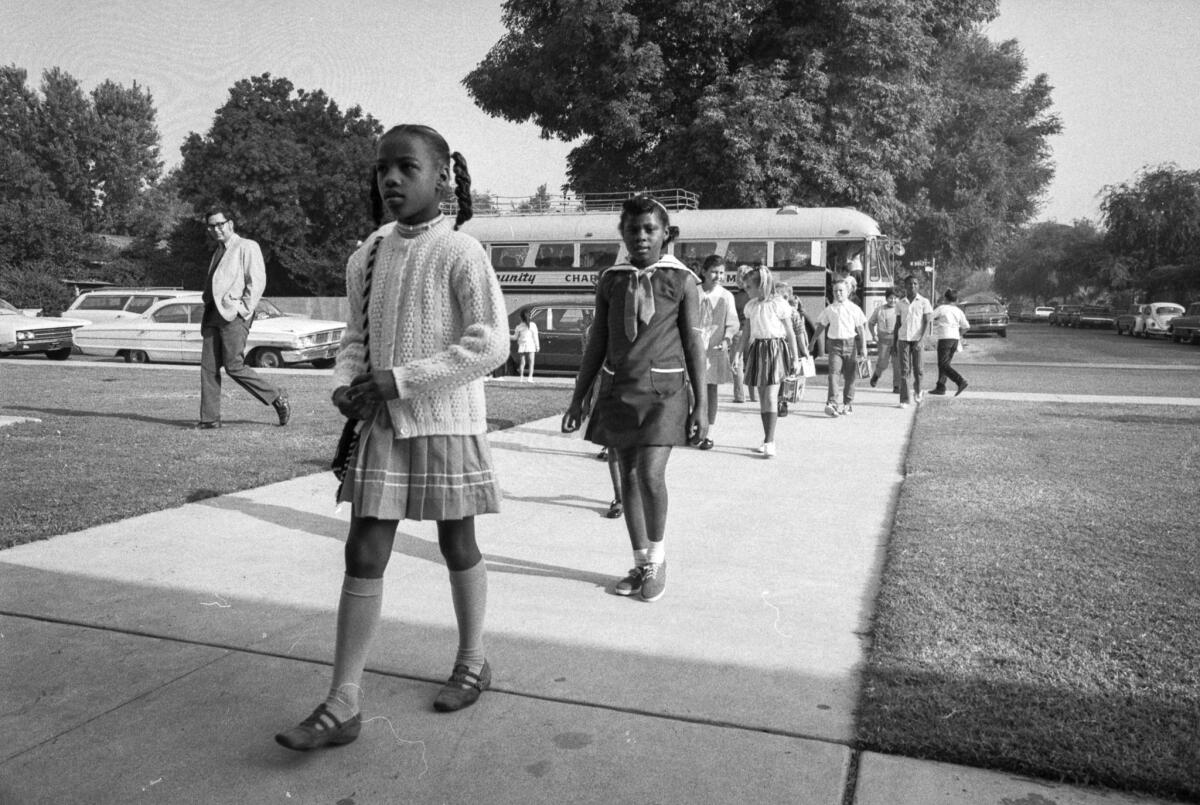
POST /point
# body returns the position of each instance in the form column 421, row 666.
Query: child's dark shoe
column 462, row 689
column 320, row 729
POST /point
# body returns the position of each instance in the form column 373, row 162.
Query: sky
column 1126, row 75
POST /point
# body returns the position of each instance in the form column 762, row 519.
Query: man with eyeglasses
column 235, row 283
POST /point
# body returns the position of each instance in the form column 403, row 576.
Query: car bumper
column 978, row 328
column 39, row 344
column 316, row 353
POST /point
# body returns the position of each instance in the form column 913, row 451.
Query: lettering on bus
column 548, row 280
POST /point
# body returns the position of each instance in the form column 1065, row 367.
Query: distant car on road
column 170, row 331
column 986, row 317
column 107, row 304
column 1060, row 315
column 22, row 334
column 562, row 324
column 1187, row 326
column 1151, row 320
column 1091, row 316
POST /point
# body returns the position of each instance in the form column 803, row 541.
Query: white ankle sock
column 656, row 553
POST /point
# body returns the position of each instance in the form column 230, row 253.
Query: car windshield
column 981, row 307
column 1163, row 310
column 8, row 310
column 267, row 310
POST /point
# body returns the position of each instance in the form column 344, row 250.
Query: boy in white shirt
column 846, row 341
column 949, row 324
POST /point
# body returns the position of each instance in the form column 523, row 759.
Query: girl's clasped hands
column 365, row 393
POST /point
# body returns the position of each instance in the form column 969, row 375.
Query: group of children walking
column 427, row 323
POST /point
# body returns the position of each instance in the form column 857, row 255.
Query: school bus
column 563, row 249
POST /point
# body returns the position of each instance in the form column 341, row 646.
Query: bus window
column 746, row 253
column 555, row 255
column 692, row 252
column 511, row 256
column 598, row 255
column 793, row 253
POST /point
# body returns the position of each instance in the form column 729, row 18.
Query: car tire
column 59, row 354
column 1195, row 339
column 324, row 363
column 136, row 356
column 506, row 369
column 267, row 358
column 1004, row 333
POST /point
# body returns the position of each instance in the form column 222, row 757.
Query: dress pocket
column 666, row 381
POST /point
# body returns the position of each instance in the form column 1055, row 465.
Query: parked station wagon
column 107, row 304
column 170, row 331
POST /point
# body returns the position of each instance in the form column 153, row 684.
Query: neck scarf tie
column 639, row 302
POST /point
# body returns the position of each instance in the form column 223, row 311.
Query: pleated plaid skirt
column 768, row 361
column 438, row 477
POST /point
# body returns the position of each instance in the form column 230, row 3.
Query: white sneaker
column 847, row 409
column 920, row 397
column 831, row 409
column 902, row 405
column 761, row 449
column 769, row 449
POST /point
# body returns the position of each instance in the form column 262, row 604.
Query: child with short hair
column 647, row 348
column 719, row 318
column 770, row 349
column 427, row 323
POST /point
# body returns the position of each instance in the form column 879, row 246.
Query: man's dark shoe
column 283, row 408
column 207, row 425
column 874, row 381
column 939, row 392
column 961, row 388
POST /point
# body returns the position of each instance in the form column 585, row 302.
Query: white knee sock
column 468, row 590
column 357, row 621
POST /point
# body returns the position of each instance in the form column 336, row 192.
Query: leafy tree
column 1153, row 229
column 1056, row 261
column 35, row 224
column 990, row 160
column 901, row 109
column 125, row 158
column 34, row 285
column 98, row 152
column 292, row 169
column 538, row 202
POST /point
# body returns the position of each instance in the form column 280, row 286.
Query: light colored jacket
column 240, row 278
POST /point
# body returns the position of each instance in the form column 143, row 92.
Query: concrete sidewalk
column 152, row 660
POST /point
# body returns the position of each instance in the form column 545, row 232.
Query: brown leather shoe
column 462, row 689
column 319, row 730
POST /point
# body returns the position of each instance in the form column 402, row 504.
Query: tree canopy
column 898, row 108
column 291, row 168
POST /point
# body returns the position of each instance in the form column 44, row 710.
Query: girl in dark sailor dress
column 646, row 349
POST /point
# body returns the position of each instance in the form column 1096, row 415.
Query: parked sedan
column 1091, row 316
column 562, row 325
column 986, row 317
column 23, row 334
column 1187, row 326
column 170, row 331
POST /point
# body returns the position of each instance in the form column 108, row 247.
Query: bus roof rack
column 672, row 198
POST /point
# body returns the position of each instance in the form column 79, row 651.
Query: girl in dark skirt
column 770, row 349
column 647, row 347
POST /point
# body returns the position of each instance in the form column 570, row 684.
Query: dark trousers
column 221, row 347
column 910, row 363
column 946, row 349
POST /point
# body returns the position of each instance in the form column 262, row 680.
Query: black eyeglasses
column 216, row 225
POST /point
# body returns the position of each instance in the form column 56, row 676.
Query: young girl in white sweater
column 427, row 323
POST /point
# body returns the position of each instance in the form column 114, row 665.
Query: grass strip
column 1037, row 611
column 115, row 442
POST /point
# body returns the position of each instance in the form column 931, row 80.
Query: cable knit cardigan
column 438, row 322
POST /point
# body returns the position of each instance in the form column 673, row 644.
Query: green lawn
column 1037, row 611
column 115, row 441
